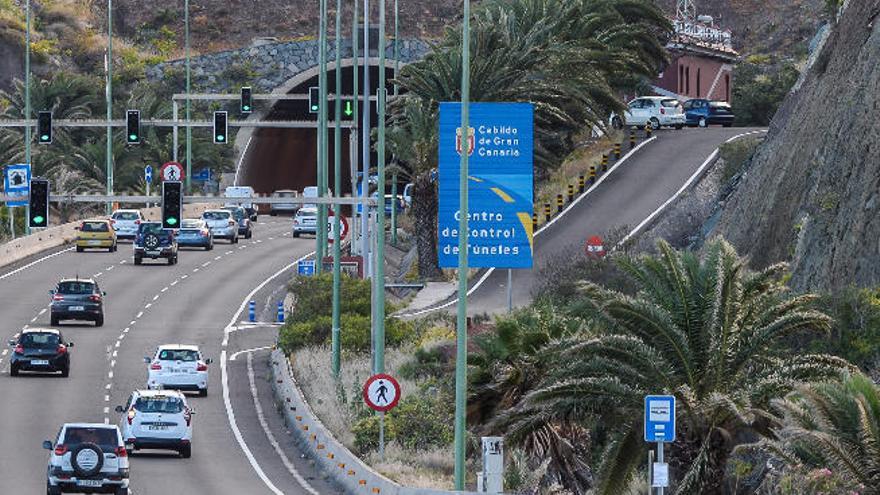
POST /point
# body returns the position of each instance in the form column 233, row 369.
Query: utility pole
column 353, row 152
column 322, row 138
column 365, row 147
column 461, row 329
column 337, row 186
column 27, row 110
column 685, row 10
column 109, row 95
column 380, row 210
column 188, row 91
column 394, row 159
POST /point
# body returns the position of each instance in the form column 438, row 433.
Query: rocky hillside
column 812, row 192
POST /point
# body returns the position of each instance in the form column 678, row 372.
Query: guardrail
column 350, row 473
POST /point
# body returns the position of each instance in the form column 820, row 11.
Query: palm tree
column 834, row 426
column 702, row 328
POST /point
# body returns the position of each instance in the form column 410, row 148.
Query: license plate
column 94, row 243
column 177, row 370
column 39, row 362
column 77, row 308
column 158, row 427
column 154, row 253
column 88, row 483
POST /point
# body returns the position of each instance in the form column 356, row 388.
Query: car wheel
column 273, row 213
column 296, row 234
column 728, row 125
column 617, row 123
column 94, row 457
column 703, row 122
column 234, row 240
column 186, row 452
column 209, row 247
column 65, row 372
column 122, row 491
column 138, row 260
column 99, row 321
column 54, row 321
column 13, row 370
column 203, row 392
column 79, row 249
column 249, row 235
column 679, row 127
column 52, row 490
column 655, row 124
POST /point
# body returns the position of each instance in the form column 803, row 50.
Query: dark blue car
column 703, row 113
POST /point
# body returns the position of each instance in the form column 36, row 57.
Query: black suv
column 40, row 349
column 77, row 299
column 152, row 241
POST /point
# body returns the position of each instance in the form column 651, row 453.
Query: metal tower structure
column 685, row 10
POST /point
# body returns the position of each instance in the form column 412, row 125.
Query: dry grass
column 576, row 164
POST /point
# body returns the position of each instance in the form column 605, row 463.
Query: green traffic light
column 314, row 107
column 39, row 219
column 220, row 138
column 171, row 221
column 246, row 107
column 132, row 137
column 44, row 137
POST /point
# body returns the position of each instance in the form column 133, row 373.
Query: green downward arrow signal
column 348, row 110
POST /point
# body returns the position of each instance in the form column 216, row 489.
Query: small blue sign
column 500, row 184
column 148, row 173
column 660, row 418
column 306, row 268
column 17, row 182
column 203, row 175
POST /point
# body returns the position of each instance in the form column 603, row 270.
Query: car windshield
column 285, row 194
column 191, row 224
column 159, row 404
column 186, row 355
column 670, row 103
column 76, row 288
column 151, row 228
column 34, row 339
column 216, row 215
column 306, row 213
column 106, row 438
column 237, row 213
column 95, row 227
column 125, row 215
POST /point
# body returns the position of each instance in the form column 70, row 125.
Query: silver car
column 125, row 223
column 222, row 224
column 277, row 208
column 305, row 221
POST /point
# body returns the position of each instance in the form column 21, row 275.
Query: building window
column 699, row 84
column 687, row 81
column 727, row 87
column 680, row 78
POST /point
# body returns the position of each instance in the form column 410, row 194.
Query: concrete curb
column 349, row 472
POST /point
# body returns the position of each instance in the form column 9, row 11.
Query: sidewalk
column 432, row 294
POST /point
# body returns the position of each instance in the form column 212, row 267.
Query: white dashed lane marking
column 140, row 313
column 174, row 283
column 42, row 311
column 148, row 306
column 156, row 297
column 164, row 289
column 217, row 257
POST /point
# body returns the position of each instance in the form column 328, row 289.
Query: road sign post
column 381, row 394
column 660, row 428
column 148, row 177
column 305, row 268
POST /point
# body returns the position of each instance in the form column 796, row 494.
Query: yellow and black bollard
column 649, row 129
column 559, row 203
column 604, row 163
column 592, row 174
column 581, row 183
column 617, row 152
column 632, row 139
column 570, row 193
column 534, row 223
column 546, row 212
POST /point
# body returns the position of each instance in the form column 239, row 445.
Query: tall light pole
column 380, row 210
column 322, row 137
column 461, row 329
column 365, row 145
column 109, row 95
column 396, row 89
column 337, row 186
column 27, row 109
column 354, row 130
column 188, row 104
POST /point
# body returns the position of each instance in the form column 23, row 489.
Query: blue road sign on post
column 501, row 175
column 660, row 418
column 17, row 182
column 203, row 175
column 306, row 268
column 148, row 173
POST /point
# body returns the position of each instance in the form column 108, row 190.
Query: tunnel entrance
column 277, row 159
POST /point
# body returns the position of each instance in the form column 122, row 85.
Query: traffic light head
column 247, row 103
column 133, row 127
column 44, row 127
column 220, row 128
column 38, row 205
column 314, row 99
column 172, row 204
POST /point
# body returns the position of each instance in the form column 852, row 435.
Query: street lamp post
column 188, row 104
column 396, row 89
column 365, row 146
column 27, row 108
column 461, row 324
column 109, row 95
column 322, row 137
column 353, row 152
column 380, row 210
column 337, row 186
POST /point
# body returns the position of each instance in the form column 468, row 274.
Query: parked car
column 276, row 208
column 154, row 242
column 305, row 221
column 95, row 234
column 87, row 458
column 222, row 224
column 40, row 349
column 389, row 202
column 703, row 113
column 126, row 223
column 157, row 419
column 178, row 367
column 195, row 232
column 407, row 194
column 656, row 111
column 77, row 299
column 245, row 226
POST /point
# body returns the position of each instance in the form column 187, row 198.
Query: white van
column 242, row 192
column 312, row 192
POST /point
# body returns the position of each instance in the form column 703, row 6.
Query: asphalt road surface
column 626, row 197
column 198, row 301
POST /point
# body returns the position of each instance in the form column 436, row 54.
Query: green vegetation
column 736, row 155
column 761, row 86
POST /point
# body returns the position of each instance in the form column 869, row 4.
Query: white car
column 87, row 457
column 126, row 222
column 656, row 111
column 305, row 221
column 157, row 419
column 178, row 367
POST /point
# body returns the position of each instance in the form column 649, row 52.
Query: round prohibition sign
column 381, row 392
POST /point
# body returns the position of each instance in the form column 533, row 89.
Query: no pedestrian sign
column 381, row 392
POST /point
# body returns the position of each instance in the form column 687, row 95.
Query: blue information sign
column 203, row 175
column 306, row 268
column 660, row 418
column 500, row 172
column 17, row 182
column 148, row 173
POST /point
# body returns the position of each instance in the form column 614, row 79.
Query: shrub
column 313, row 293
column 736, row 154
column 760, row 89
column 421, row 421
column 294, row 335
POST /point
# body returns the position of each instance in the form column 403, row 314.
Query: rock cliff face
column 812, row 192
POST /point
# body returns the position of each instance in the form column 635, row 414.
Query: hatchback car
column 195, row 232
column 305, row 221
column 95, row 234
column 222, row 224
column 656, row 111
column 157, row 419
column 40, row 349
column 178, row 367
column 245, row 226
column 276, row 208
column 126, row 222
column 703, row 113
column 87, row 458
column 77, row 299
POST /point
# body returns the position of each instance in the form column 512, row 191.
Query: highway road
column 626, row 197
column 198, row 301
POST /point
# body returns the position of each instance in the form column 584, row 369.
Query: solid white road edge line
column 577, row 200
column 224, row 379
column 274, row 443
column 32, row 263
column 248, row 351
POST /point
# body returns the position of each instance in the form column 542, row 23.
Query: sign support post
column 27, row 103
column 11, row 220
column 337, row 186
column 659, row 428
column 381, row 394
column 509, row 290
